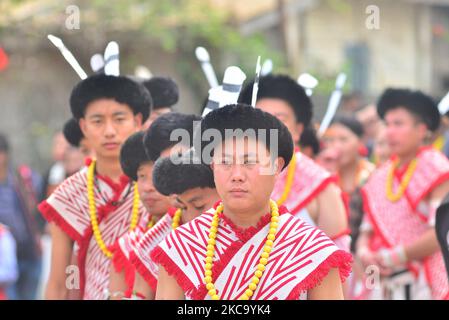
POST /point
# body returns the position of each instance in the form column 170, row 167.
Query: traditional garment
column 301, row 257
column 140, row 255
column 68, row 207
column 404, row 221
column 132, row 251
column 309, row 180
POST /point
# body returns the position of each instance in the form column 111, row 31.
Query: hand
column 367, row 257
column 390, row 258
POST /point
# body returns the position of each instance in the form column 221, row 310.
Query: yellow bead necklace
column 93, row 210
column 263, row 258
column 289, row 181
column 393, row 197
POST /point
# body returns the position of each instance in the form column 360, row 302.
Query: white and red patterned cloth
column 140, row 255
column 404, row 221
column 300, row 258
column 132, row 251
column 309, row 180
column 68, row 207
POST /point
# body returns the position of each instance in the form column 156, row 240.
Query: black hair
column 285, row 88
column 121, row 89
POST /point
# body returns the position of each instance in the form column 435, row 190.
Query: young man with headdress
column 193, row 185
column 246, row 246
column 97, row 205
column 165, row 94
column 305, row 188
column 400, row 201
column 137, row 157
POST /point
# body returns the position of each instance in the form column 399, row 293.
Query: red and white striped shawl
column 68, row 208
column 300, row 258
column 132, row 251
column 401, row 222
column 140, row 254
column 309, row 180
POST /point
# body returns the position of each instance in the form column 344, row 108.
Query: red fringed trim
column 51, row 215
column 338, row 259
column 246, row 233
column 160, row 257
column 311, row 196
column 121, row 263
column 143, row 271
column 117, row 187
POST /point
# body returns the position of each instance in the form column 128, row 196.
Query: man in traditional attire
column 137, row 163
column 193, row 185
column 400, row 201
column 97, row 205
column 246, row 247
column 305, row 188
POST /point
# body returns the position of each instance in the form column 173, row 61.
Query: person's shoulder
column 308, row 166
column 74, row 182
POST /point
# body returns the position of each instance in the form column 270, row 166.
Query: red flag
column 3, row 59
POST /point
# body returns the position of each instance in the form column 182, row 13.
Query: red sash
column 401, row 222
column 68, row 208
column 300, row 258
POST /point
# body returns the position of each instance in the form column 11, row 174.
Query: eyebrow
column 99, row 115
column 179, row 200
column 194, row 199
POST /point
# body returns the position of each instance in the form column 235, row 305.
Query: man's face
column 154, row 115
column 345, row 144
column 241, row 169
column 107, row 124
column 197, row 200
column 284, row 112
column 404, row 132
column 370, row 121
column 381, row 148
column 155, row 203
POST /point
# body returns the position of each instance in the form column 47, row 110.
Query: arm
column 117, row 284
column 167, row 287
column 332, row 218
column 427, row 243
column 329, row 289
column 61, row 253
column 142, row 287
